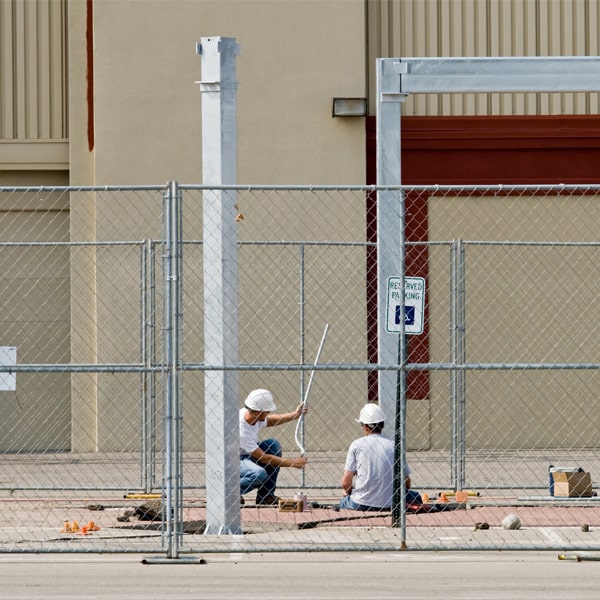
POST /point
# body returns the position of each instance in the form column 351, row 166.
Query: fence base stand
column 579, row 557
column 181, row 560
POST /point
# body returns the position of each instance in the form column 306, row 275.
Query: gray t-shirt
column 372, row 459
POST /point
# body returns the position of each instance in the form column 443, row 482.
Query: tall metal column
column 390, row 263
column 390, row 224
column 221, row 387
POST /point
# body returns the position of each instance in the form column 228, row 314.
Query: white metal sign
column 8, row 358
column 409, row 306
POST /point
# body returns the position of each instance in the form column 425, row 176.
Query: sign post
column 405, row 309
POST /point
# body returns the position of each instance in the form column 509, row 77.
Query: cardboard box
column 577, row 484
column 291, row 505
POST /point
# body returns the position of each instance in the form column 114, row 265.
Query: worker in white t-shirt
column 369, row 468
column 260, row 461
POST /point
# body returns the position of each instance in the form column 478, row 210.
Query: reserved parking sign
column 408, row 306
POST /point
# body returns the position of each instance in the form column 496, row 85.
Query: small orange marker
column 425, row 498
column 461, row 497
column 443, row 498
column 92, row 526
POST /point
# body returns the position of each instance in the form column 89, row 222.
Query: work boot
column 268, row 501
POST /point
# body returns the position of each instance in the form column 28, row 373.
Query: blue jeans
column 348, row 504
column 262, row 478
column 412, row 497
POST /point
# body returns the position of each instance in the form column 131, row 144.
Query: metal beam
column 493, row 74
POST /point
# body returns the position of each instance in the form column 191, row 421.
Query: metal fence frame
column 171, row 366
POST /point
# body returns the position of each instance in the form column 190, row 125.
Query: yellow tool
column 142, row 496
column 453, row 493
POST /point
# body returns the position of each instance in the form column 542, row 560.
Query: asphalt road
column 306, row 576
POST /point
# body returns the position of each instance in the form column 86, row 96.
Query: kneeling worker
column 260, row 461
column 369, row 469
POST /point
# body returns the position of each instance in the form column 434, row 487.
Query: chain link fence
column 104, row 369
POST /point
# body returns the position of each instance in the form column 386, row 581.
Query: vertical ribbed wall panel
column 33, row 95
column 425, row 28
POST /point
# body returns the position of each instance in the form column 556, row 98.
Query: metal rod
column 299, row 442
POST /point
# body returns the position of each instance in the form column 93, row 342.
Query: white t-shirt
column 372, row 459
column 249, row 433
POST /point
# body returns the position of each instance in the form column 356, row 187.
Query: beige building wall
column 147, row 106
column 111, row 98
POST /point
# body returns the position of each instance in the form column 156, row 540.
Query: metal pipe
column 299, row 442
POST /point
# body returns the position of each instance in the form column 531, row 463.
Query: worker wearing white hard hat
column 369, row 468
column 260, row 461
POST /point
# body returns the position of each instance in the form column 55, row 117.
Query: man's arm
column 278, row 461
column 347, row 480
column 286, row 417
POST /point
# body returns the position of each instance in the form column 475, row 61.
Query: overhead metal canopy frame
column 396, row 78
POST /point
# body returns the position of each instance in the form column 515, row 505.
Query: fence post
column 173, row 484
column 302, row 275
column 148, row 378
column 457, row 384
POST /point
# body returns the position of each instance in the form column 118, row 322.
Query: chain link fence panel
column 105, row 306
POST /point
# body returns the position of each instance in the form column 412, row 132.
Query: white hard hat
column 261, row 400
column 371, row 414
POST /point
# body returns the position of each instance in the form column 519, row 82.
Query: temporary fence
column 106, row 442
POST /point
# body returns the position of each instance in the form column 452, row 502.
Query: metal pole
column 151, row 395
column 390, row 243
column 171, row 374
column 457, row 376
column 144, row 374
column 399, row 489
column 220, row 240
column 300, row 423
column 390, row 262
column 173, row 444
column 177, row 346
column 462, row 398
column 454, row 373
column 302, row 351
column 148, row 376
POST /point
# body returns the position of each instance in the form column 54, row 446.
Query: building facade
column 98, row 92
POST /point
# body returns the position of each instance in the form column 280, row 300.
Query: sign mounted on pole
column 409, row 306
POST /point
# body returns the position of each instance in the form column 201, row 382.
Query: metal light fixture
column 349, row 107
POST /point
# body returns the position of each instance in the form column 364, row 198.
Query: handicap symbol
column 409, row 315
